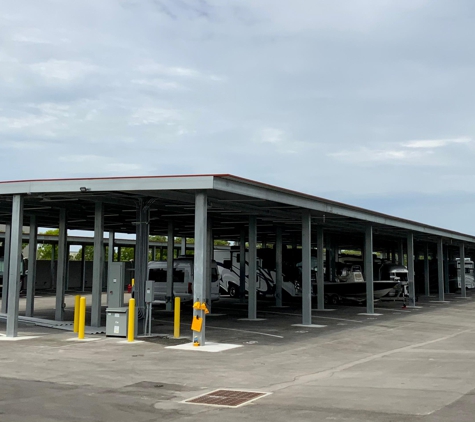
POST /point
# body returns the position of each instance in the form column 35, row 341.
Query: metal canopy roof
column 231, row 200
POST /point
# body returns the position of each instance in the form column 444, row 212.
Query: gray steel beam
column 306, row 268
column 440, row 268
column 278, row 266
column 330, row 207
column 15, row 266
column 320, row 270
column 61, row 269
column 123, row 184
column 410, row 268
column 252, row 288
column 6, row 266
column 242, row 265
column 98, row 265
column 31, row 277
column 463, row 291
column 426, row 270
column 368, row 269
column 170, row 249
column 199, row 285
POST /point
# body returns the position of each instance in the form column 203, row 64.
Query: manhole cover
column 227, row 398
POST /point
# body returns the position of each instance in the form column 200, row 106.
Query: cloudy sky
column 368, row 102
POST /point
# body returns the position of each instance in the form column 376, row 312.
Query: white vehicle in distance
column 183, row 279
column 229, row 268
column 469, row 279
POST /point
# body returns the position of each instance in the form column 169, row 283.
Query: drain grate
column 227, row 398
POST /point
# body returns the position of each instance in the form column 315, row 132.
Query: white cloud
column 158, row 83
column 26, row 145
column 99, row 164
column 435, row 143
column 53, row 109
column 64, row 70
column 159, row 69
column 270, row 135
column 342, row 15
column 24, row 122
column 367, row 155
column 154, row 116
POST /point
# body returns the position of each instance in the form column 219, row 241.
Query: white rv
column 183, row 275
column 228, row 262
column 469, row 279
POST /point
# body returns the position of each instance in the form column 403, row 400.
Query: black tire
column 335, row 299
column 233, row 290
column 326, row 299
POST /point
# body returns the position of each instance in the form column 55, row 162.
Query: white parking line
column 313, row 316
column 229, row 329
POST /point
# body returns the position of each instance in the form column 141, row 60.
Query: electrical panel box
column 116, row 322
column 116, row 284
column 149, row 291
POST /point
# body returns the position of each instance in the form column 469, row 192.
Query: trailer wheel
column 335, row 299
column 233, row 290
column 326, row 299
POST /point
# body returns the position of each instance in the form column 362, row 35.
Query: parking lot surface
column 401, row 365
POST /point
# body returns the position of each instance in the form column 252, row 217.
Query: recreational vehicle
column 228, row 262
column 183, row 278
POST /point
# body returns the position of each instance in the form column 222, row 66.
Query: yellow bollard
column 176, row 328
column 131, row 324
column 133, row 281
column 77, row 300
column 82, row 318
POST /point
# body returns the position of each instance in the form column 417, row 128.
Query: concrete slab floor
column 402, row 366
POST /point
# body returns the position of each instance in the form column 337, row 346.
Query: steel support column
column 242, row 265
column 446, row 269
column 15, row 266
column 209, row 259
column 61, row 268
column 306, row 268
column 426, row 270
column 141, row 259
column 183, row 246
column 98, row 265
column 83, row 267
column 110, row 249
column 463, row 291
column 440, row 268
column 400, row 254
column 31, row 278
column 278, row 267
column 252, row 288
column 169, row 299
column 320, row 270
column 199, row 285
column 368, row 269
column 6, row 266
column 410, row 269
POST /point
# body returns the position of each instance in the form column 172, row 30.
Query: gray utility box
column 116, row 321
column 149, row 291
column 116, row 284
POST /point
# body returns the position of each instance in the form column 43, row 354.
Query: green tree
column 45, row 251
